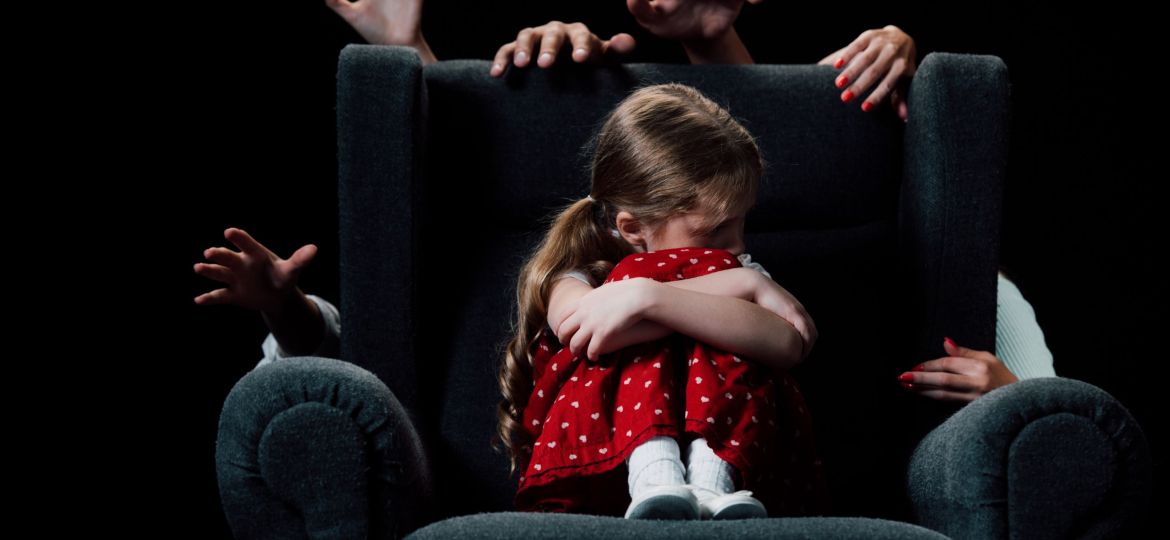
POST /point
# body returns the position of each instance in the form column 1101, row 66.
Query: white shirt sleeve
column 1019, row 342
column 578, row 275
column 330, row 346
column 746, row 260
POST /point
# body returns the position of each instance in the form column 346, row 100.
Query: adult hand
column 386, row 22
column 886, row 57
column 778, row 300
column 549, row 38
column 964, row 375
column 256, row 277
column 597, row 317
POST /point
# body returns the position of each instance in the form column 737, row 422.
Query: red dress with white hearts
column 586, row 417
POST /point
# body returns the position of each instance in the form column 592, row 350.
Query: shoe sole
column 739, row 511
column 664, row 507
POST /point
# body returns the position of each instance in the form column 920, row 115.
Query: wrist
column 725, row 48
column 652, row 300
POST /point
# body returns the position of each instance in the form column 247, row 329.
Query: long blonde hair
column 661, row 152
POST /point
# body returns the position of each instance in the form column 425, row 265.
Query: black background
column 238, row 129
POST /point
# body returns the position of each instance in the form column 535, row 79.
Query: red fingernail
column 848, row 95
column 842, row 81
column 840, row 62
column 866, row 106
column 920, row 367
column 905, row 377
column 950, row 342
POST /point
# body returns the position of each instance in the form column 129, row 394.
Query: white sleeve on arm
column 330, row 346
column 746, row 260
column 578, row 275
column 1019, row 342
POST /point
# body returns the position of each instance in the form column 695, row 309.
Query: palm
column 382, row 22
column 686, row 19
column 256, row 278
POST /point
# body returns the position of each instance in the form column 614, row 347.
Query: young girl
column 673, row 176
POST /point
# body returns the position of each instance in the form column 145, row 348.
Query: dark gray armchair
column 888, row 232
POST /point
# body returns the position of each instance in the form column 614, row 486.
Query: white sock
column 655, row 462
column 707, row 470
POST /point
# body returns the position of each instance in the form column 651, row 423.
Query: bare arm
column 714, row 309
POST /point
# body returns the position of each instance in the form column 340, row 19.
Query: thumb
column 302, row 257
column 953, row 349
column 618, row 45
column 341, row 7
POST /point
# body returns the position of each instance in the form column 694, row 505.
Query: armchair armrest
column 1041, row 458
column 955, row 160
column 319, row 448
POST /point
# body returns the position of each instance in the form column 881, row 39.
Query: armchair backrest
column 888, row 233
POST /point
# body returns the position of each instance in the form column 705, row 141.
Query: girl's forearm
column 297, row 324
column 735, row 282
column 732, row 324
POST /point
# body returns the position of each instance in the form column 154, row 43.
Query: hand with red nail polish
column 886, row 57
column 964, row 375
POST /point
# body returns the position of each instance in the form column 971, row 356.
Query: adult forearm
column 297, row 324
column 732, row 324
column 725, row 49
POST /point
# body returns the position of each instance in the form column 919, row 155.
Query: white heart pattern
column 638, row 405
column 595, row 416
column 647, row 385
column 540, row 393
column 698, row 380
column 621, row 408
column 537, row 466
column 657, row 411
column 673, row 256
column 588, row 384
column 658, row 365
column 602, row 450
column 535, row 422
column 572, row 456
column 552, row 444
column 694, row 261
column 710, row 420
column 575, row 405
column 581, row 438
column 734, row 442
column 564, row 425
column 704, row 399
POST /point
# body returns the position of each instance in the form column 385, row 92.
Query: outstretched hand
column 549, row 38
column 256, row 277
column 386, row 22
column 886, row 57
column 964, row 375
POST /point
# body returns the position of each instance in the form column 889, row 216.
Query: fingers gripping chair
column 887, row 232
